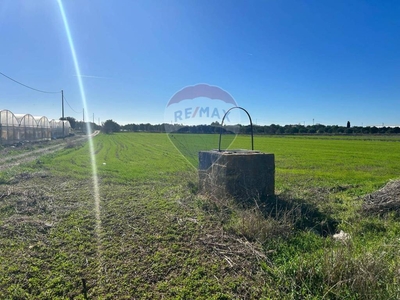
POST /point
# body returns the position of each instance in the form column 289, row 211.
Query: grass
column 347, row 161
column 121, row 157
column 157, row 238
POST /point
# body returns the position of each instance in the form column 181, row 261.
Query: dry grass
column 160, row 239
column 383, row 201
column 342, row 271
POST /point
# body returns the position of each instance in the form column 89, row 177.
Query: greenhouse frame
column 21, row 128
column 59, row 128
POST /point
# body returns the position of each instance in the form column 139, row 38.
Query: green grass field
column 156, row 237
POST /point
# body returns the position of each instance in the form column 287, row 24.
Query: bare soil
column 11, row 156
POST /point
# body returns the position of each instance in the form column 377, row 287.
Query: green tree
column 110, row 126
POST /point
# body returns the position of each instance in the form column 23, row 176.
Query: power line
column 78, row 112
column 27, row 86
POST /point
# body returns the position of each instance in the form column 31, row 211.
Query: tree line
column 110, row 126
column 80, row 125
column 266, row 129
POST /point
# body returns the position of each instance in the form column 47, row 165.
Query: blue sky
column 286, row 62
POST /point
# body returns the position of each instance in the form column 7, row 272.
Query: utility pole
column 83, row 113
column 93, row 118
column 62, row 104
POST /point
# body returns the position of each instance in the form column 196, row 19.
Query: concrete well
column 240, row 174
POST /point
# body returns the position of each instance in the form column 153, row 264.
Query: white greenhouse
column 20, row 128
column 59, row 128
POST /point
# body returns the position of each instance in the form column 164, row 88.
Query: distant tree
column 71, row 121
column 302, row 129
column 321, row 130
column 272, row 129
column 357, row 129
column 366, row 130
column 110, row 126
column 291, row 129
column 348, row 124
column 374, row 130
column 311, row 130
column 348, row 131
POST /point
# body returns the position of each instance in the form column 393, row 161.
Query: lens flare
column 88, row 127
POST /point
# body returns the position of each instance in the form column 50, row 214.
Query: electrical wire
column 27, row 86
column 71, row 107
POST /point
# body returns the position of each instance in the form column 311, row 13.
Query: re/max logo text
column 200, row 112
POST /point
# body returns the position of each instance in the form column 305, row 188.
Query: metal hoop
column 222, row 123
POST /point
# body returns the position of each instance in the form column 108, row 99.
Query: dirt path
column 8, row 160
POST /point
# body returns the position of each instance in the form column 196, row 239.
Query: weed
column 160, row 239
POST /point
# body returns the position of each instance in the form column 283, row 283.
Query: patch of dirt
column 32, row 152
column 16, row 223
column 385, row 200
column 32, row 204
